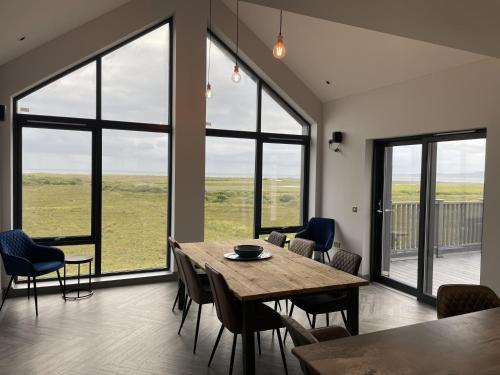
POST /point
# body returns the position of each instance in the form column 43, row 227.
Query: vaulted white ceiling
column 42, row 20
column 353, row 59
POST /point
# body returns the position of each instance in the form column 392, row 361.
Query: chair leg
column 232, row 354
column 314, row 321
column 328, row 256
column 61, row 284
column 176, row 299
column 343, row 317
column 197, row 328
column 186, row 310
column 216, row 344
column 309, row 318
column 29, row 285
column 286, row 306
column 323, row 257
column 6, row 292
column 327, row 320
column 283, row 357
column 36, row 297
column 289, row 314
column 258, row 342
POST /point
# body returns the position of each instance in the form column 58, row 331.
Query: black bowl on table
column 248, row 251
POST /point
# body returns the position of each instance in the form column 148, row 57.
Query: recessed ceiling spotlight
column 22, row 38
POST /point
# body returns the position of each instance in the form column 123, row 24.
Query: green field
column 134, row 213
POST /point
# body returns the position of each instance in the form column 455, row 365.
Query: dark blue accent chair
column 23, row 257
column 322, row 232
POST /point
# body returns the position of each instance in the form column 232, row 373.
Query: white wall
column 461, row 98
column 190, row 25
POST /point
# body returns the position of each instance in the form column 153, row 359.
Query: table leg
column 353, row 311
column 78, row 288
column 65, row 282
column 90, row 277
column 182, row 296
column 248, row 312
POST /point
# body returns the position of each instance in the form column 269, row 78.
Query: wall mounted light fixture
column 335, row 141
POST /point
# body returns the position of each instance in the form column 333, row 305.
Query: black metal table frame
column 78, row 289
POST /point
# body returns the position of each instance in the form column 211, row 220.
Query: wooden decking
column 452, row 268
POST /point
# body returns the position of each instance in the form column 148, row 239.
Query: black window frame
column 96, row 127
column 261, row 138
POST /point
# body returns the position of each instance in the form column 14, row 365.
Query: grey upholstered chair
column 458, row 299
column 302, row 336
column 277, row 238
column 302, row 247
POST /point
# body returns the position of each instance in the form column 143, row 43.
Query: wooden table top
column 466, row 344
column 283, row 275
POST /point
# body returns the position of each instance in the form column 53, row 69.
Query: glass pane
column 281, row 185
column 229, row 188
column 456, row 217
column 233, row 106
column 73, row 95
column 134, row 200
column 275, row 119
column 135, row 80
column 56, row 182
column 400, row 209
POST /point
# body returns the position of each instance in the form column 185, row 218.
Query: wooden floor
column 452, row 268
column 131, row 330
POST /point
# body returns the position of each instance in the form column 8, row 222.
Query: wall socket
column 337, row 244
column 355, row 209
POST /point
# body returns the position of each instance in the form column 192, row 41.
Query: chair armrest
column 329, row 333
column 17, row 266
column 47, row 253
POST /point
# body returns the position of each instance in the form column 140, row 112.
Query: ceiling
column 43, row 20
column 353, row 59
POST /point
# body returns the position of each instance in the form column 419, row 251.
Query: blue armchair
column 322, row 232
column 23, row 257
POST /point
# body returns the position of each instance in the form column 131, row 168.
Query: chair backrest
column 15, row 243
column 458, row 299
column 193, row 284
column 346, row 261
column 228, row 308
column 300, row 336
column 302, row 247
column 277, row 238
column 322, row 231
column 175, row 245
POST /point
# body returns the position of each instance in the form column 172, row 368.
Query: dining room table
column 283, row 275
column 467, row 344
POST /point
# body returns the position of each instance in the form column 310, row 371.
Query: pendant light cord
column 237, row 28
column 281, row 19
column 209, row 38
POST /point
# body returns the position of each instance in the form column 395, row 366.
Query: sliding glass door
column 428, row 210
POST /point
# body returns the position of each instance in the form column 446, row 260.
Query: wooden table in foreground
column 466, row 344
column 284, row 275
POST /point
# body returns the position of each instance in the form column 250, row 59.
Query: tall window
column 92, row 157
column 256, row 156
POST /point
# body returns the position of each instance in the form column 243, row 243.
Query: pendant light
column 236, row 77
column 208, row 91
column 279, row 50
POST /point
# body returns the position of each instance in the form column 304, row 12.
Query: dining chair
column 22, row 257
column 197, row 291
column 322, row 232
column 325, row 303
column 277, row 238
column 228, row 310
column 458, row 299
column 302, row 336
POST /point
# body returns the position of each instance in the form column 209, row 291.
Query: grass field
column 134, row 211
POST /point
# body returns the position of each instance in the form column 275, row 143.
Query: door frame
column 377, row 193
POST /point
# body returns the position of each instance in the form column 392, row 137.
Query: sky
column 135, row 88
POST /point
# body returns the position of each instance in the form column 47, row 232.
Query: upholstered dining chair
column 325, row 303
column 277, row 238
column 198, row 290
column 22, row 257
column 322, row 232
column 302, row 336
column 228, row 310
column 458, row 299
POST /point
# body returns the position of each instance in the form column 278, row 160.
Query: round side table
column 78, row 260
